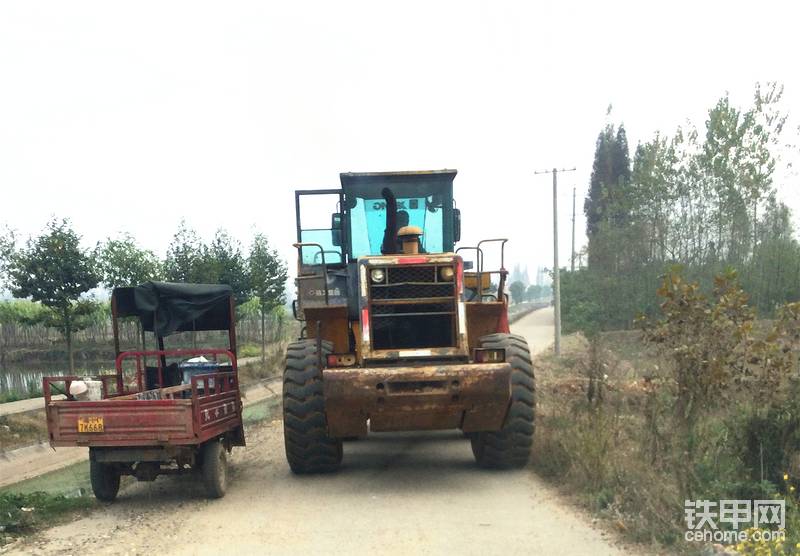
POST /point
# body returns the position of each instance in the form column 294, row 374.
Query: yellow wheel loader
column 401, row 330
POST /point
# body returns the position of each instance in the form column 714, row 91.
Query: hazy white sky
column 130, row 116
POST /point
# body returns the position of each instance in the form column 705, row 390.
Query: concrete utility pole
column 572, row 259
column 556, row 274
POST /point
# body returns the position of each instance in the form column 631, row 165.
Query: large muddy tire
column 510, row 447
column 105, row 480
column 214, row 469
column 309, row 449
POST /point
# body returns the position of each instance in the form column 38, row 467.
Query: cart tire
column 214, row 469
column 510, row 447
column 309, row 449
column 105, row 480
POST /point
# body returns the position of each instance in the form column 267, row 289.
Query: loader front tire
column 309, row 449
column 510, row 447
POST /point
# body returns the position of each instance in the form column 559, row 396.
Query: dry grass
column 255, row 370
column 594, row 440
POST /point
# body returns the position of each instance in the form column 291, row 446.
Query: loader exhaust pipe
column 389, row 245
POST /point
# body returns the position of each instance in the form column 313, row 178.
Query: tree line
column 702, row 198
column 520, row 293
column 55, row 272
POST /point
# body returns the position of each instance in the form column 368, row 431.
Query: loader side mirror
column 456, row 225
column 336, row 229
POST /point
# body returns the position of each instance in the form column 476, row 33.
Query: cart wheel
column 105, row 480
column 215, row 469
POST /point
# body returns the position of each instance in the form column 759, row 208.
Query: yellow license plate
column 91, row 424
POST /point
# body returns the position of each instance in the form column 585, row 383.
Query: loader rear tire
column 105, row 480
column 309, row 449
column 510, row 447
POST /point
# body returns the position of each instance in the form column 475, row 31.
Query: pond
column 17, row 376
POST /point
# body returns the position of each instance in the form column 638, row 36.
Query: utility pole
column 572, row 259
column 556, row 274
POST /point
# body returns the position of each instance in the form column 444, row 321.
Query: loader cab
column 421, row 199
column 338, row 226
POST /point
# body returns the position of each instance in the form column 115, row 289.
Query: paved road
column 396, row 494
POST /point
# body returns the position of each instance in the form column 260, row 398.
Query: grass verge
column 605, row 436
column 41, row 502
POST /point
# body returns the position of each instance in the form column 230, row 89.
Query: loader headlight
column 446, row 273
column 377, row 275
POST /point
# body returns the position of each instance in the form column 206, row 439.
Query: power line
column 556, row 273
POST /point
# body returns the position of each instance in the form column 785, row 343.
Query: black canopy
column 176, row 307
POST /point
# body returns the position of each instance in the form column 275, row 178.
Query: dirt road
column 396, row 494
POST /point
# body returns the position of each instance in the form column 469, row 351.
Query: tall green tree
column 185, row 255
column 606, row 203
column 224, row 263
column 123, row 263
column 56, row 271
column 267, row 274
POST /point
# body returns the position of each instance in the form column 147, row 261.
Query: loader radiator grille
column 413, row 308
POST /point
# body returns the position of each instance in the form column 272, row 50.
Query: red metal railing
column 139, row 356
column 160, row 355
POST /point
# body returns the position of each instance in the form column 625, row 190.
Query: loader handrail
column 480, row 272
column 299, row 246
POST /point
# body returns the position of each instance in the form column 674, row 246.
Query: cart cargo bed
column 150, row 422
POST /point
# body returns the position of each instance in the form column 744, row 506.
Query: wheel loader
column 401, row 330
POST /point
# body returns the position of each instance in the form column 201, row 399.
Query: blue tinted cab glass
column 368, row 222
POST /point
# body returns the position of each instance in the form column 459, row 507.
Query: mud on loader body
column 399, row 332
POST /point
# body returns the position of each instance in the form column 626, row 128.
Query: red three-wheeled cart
column 164, row 411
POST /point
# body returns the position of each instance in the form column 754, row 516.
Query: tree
column 123, row 263
column 7, row 243
column 267, row 274
column 517, row 290
column 533, row 292
column 56, row 271
column 222, row 262
column 611, row 174
column 703, row 198
column 184, row 256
